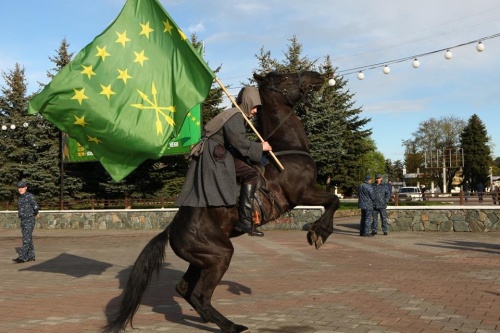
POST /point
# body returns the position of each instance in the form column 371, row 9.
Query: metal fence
column 125, row 203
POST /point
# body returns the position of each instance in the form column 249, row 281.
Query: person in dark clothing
column 381, row 196
column 222, row 158
column 466, row 189
column 480, row 191
column 365, row 203
column 27, row 211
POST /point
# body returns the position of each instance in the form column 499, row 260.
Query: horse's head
column 293, row 86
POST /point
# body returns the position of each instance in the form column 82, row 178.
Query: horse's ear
column 259, row 78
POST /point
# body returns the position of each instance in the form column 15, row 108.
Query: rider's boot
column 245, row 211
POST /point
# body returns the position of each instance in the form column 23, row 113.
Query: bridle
column 304, row 89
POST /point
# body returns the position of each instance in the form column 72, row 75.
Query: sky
column 353, row 33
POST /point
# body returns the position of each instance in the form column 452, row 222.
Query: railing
column 476, row 198
column 91, row 204
column 484, row 198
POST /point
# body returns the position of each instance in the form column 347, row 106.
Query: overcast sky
column 354, row 34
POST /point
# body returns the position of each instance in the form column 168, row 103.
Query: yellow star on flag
column 168, row 27
column 106, row 90
column 94, row 139
column 79, row 95
column 80, row 121
column 146, row 30
column 140, row 57
column 123, row 75
column 101, row 52
column 88, row 70
column 122, row 38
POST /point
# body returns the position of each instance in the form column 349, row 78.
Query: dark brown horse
column 201, row 236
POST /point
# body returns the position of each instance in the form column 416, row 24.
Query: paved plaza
column 403, row 282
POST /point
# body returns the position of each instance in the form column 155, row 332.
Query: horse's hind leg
column 186, row 285
column 197, row 287
column 209, row 252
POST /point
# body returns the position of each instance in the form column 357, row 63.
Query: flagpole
column 248, row 121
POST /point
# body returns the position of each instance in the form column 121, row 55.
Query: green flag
column 126, row 95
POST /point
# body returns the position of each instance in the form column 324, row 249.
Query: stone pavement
column 403, row 282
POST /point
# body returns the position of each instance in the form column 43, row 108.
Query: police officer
column 27, row 211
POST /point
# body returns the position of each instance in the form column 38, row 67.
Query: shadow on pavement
column 468, row 246
column 70, row 265
column 160, row 296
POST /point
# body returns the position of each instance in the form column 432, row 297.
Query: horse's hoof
column 181, row 288
column 318, row 243
column 241, row 329
column 311, row 237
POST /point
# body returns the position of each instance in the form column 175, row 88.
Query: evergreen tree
column 394, row 170
column 477, row 154
column 13, row 104
column 30, row 152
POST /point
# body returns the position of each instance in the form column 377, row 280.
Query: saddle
column 265, row 207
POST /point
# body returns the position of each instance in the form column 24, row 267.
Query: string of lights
column 480, row 47
column 416, row 63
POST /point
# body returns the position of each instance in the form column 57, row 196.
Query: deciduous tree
column 432, row 139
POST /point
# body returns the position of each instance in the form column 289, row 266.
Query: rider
column 221, row 158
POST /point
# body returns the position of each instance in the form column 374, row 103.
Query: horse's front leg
column 322, row 228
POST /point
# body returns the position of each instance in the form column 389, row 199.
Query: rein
column 282, row 121
column 290, row 152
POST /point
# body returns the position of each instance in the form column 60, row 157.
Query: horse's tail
column 148, row 262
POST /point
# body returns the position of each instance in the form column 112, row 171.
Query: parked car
column 410, row 193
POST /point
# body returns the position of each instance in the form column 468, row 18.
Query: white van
column 410, row 193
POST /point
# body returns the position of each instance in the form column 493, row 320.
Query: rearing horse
column 201, row 235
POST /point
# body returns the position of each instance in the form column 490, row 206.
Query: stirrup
column 248, row 228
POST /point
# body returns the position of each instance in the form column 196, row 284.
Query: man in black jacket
column 27, row 211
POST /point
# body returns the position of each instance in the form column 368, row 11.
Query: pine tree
column 30, row 152
column 13, row 103
column 477, row 154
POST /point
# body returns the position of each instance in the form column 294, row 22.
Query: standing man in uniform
column 27, row 211
column 381, row 196
column 365, row 203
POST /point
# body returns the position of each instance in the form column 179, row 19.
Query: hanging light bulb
column 448, row 55
column 4, row 128
column 331, row 82
column 415, row 63
column 12, row 127
column 480, row 47
column 386, row 69
column 25, row 124
column 361, row 76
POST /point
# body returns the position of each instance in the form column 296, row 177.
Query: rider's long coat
column 211, row 177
